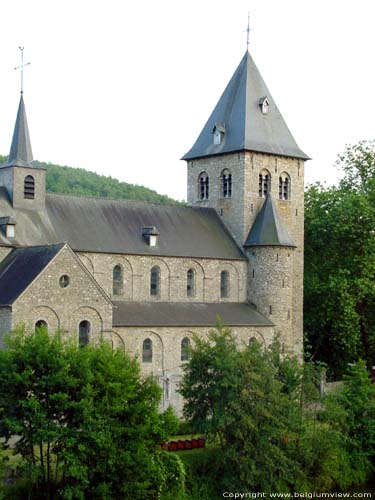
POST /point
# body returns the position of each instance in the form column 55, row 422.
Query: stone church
column 146, row 276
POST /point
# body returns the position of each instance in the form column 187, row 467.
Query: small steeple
column 251, row 119
column 268, row 229
column 20, row 154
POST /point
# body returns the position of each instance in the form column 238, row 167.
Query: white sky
column 123, row 88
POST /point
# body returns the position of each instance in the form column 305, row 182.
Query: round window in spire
column 64, row 281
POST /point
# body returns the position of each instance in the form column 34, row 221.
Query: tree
column 238, row 395
column 340, row 263
column 88, row 421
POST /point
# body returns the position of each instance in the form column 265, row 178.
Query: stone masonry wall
column 137, row 270
column 270, row 280
column 64, row 308
column 4, row 251
column 240, row 211
column 5, row 323
column 166, row 352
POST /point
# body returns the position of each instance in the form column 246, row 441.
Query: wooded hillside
column 77, row 181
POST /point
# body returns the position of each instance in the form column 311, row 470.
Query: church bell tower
column 247, row 165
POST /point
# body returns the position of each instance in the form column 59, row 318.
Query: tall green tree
column 248, row 398
column 88, row 422
column 340, row 263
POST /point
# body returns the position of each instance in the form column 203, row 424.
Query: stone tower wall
column 12, row 178
column 239, row 211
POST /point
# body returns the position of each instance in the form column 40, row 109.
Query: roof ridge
column 127, row 200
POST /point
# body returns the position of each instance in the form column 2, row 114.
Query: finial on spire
column 248, row 31
column 21, row 67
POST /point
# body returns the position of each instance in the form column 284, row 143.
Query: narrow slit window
column 190, row 283
column 118, row 280
column 155, row 281
column 83, row 333
column 185, row 346
column 147, row 351
column 224, row 284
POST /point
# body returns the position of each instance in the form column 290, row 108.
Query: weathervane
column 21, row 66
column 248, row 31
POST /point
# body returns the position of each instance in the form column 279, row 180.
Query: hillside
column 69, row 180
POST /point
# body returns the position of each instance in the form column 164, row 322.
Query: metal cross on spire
column 21, row 67
column 248, row 31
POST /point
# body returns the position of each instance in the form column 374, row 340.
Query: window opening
column 203, row 186
column 118, row 280
column 41, row 324
column 155, row 281
column 84, row 333
column 147, row 351
column 224, row 284
column 185, row 346
column 29, row 187
column 190, row 283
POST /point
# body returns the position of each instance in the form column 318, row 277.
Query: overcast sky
column 124, row 88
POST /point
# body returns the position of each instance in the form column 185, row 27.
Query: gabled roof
column 268, row 228
column 115, row 226
column 186, row 314
column 20, row 154
column 246, row 127
column 19, row 269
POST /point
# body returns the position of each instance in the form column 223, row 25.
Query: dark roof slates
column 246, row 127
column 19, row 269
column 268, row 228
column 193, row 314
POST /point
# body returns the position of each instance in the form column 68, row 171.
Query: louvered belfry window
column 29, row 187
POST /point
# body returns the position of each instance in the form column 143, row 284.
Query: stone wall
column 4, row 251
column 65, row 308
column 239, row 211
column 166, row 352
column 137, row 270
column 5, row 323
column 13, row 179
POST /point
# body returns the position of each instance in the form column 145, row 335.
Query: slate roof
column 246, row 127
column 20, row 154
column 268, row 228
column 115, row 226
column 148, row 314
column 19, row 269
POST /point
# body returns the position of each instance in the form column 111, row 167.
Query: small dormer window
column 8, row 226
column 218, row 131
column 150, row 234
column 264, row 105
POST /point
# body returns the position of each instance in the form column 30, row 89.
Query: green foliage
column 77, row 181
column 340, row 263
column 275, row 431
column 239, row 397
column 350, row 412
column 89, row 424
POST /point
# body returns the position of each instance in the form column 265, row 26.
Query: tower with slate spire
column 24, row 182
column 247, row 165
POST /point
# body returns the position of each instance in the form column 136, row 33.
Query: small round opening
column 64, row 281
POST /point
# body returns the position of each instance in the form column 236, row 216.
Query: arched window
column 252, row 340
column 203, row 186
column 190, row 283
column 155, row 281
column 224, row 284
column 147, row 351
column 83, row 333
column 29, row 187
column 264, row 183
column 118, row 280
column 41, row 324
column 226, row 184
column 284, row 186
column 185, row 346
